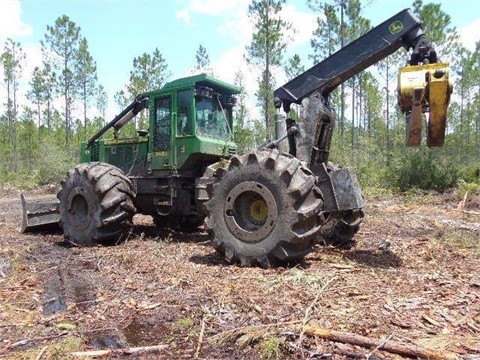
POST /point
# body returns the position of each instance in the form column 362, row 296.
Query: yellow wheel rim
column 259, row 211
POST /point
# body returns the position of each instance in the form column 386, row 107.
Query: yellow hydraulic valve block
column 421, row 89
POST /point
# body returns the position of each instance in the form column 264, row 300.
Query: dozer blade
column 39, row 215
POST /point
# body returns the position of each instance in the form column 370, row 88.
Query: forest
column 66, row 104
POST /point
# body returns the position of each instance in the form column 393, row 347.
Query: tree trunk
column 388, row 145
column 85, row 107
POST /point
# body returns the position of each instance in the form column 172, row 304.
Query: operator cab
column 192, row 121
column 189, row 125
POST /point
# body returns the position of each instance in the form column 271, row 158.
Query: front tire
column 96, row 204
column 264, row 209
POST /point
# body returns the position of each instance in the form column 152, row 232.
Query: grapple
column 422, row 89
column 39, row 214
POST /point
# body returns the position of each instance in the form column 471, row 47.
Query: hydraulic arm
column 127, row 114
column 401, row 30
column 422, row 87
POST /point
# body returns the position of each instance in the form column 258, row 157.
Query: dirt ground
column 412, row 279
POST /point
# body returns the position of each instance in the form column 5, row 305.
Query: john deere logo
column 395, row 27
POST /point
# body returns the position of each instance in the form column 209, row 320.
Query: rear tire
column 264, row 209
column 96, row 204
column 340, row 229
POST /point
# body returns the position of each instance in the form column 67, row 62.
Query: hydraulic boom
column 422, row 88
column 401, row 30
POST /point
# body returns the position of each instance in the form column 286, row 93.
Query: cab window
column 162, row 124
column 184, row 113
column 213, row 119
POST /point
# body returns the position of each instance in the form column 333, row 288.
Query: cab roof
column 198, row 80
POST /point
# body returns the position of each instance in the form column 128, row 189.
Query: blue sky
column 119, row 30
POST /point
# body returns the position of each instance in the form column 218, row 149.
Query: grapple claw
column 421, row 89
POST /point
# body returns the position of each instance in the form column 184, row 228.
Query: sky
column 119, row 30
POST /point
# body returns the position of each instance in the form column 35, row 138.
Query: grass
column 57, row 351
column 467, row 187
column 183, row 323
column 66, row 326
column 270, row 348
column 62, row 349
column 463, row 239
column 297, row 276
column 370, row 191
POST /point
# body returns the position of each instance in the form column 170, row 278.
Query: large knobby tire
column 340, row 228
column 96, row 204
column 264, row 209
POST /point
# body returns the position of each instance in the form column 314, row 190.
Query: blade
column 39, row 215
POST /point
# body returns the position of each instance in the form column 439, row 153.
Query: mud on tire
column 96, row 204
column 264, row 209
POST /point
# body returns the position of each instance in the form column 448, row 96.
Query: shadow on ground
column 375, row 258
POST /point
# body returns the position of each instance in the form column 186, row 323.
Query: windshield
column 213, row 119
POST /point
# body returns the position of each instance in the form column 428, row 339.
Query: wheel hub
column 258, row 211
column 250, row 211
column 78, row 208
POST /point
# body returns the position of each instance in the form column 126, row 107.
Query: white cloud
column 236, row 25
column 469, row 34
column 184, row 15
column 11, row 24
column 304, row 24
column 208, row 7
column 232, row 61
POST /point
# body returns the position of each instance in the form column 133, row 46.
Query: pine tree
column 41, row 93
column 242, row 133
column 202, row 59
column 266, row 50
column 102, row 102
column 438, row 28
column 327, row 38
column 61, row 45
column 86, row 78
column 294, row 67
column 150, row 72
column 36, row 92
column 11, row 60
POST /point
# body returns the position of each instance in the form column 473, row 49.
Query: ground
column 412, row 278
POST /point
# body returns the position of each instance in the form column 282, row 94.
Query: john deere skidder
column 267, row 206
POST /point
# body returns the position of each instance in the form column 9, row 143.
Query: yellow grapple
column 421, row 89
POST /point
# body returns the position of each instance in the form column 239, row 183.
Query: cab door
column 162, row 132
